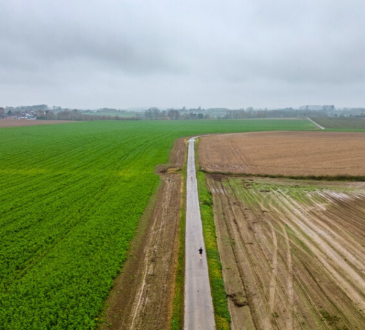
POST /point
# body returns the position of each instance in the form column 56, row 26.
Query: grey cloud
column 174, row 53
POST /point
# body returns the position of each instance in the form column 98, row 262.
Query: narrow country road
column 199, row 313
column 321, row 127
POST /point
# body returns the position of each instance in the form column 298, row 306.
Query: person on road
column 201, row 252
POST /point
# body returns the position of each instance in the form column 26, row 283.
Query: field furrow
column 291, row 251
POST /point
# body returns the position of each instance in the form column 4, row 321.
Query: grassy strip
column 177, row 321
column 222, row 316
column 343, row 177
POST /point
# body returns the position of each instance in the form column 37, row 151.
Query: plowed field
column 293, row 254
column 285, row 153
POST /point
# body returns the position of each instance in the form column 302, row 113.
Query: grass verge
column 177, row 320
column 222, row 316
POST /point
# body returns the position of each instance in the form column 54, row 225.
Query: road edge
column 219, row 295
column 177, row 319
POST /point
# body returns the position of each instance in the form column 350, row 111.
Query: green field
column 341, row 123
column 71, row 196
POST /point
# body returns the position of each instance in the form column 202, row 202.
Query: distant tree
column 40, row 113
column 154, row 113
column 9, row 113
column 173, row 114
column 50, row 115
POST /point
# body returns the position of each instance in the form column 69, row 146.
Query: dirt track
column 285, row 153
column 293, row 254
column 25, row 122
column 142, row 294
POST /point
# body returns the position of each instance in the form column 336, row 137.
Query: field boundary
column 218, row 291
column 177, row 320
column 351, row 178
column 133, row 300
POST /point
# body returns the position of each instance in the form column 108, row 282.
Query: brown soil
column 285, row 153
column 176, row 158
column 142, row 295
column 293, row 254
column 25, row 122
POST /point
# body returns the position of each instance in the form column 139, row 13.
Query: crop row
column 70, row 200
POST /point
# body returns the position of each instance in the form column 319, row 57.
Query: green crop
column 340, row 123
column 71, row 196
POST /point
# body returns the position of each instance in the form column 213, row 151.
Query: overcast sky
column 174, row 53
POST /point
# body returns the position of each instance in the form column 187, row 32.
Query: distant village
column 44, row 112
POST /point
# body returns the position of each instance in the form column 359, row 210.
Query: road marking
column 321, row 127
column 199, row 312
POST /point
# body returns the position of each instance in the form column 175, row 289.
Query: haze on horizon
column 234, row 54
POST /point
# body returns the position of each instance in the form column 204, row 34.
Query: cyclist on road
column 201, row 252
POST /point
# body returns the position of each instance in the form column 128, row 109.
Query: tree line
column 172, row 114
column 78, row 116
column 281, row 113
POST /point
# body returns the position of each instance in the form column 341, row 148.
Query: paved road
column 321, row 127
column 199, row 313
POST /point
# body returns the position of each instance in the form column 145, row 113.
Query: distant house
column 318, row 107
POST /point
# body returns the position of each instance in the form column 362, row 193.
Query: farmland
column 285, row 153
column 143, row 291
column 292, row 252
column 71, row 197
column 25, row 122
column 341, row 123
